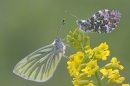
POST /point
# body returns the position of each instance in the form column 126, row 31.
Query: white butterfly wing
column 40, row 65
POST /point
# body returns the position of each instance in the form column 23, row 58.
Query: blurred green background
column 26, row 25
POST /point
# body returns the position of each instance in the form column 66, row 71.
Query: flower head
column 115, row 63
column 88, row 51
column 115, row 77
column 103, row 46
column 91, row 67
column 74, row 63
column 101, row 52
column 105, row 72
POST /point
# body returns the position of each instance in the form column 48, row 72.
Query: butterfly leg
column 64, row 39
column 66, row 56
column 67, row 45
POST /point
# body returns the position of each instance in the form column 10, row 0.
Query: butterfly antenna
column 72, row 15
column 63, row 22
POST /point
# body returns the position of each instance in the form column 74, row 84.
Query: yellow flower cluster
column 83, row 65
column 74, row 63
column 114, row 63
column 112, row 75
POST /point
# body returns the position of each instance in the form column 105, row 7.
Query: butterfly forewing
column 40, row 65
column 104, row 21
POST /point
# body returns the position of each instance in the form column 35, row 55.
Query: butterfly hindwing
column 40, row 65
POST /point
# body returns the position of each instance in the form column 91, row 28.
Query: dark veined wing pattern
column 40, row 65
column 104, row 21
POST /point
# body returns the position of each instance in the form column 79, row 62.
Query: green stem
column 98, row 79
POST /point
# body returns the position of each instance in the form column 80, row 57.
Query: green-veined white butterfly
column 40, row 65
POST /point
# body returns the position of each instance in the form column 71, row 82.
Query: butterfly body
column 40, row 65
column 59, row 44
column 83, row 25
